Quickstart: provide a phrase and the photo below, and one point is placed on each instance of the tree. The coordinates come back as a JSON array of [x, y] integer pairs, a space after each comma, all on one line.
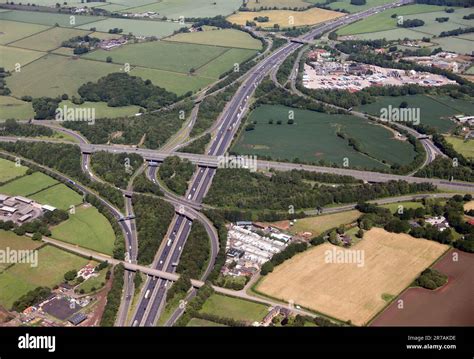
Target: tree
[[267, 267], [70, 275], [403, 104], [108, 59], [360, 233], [37, 236]]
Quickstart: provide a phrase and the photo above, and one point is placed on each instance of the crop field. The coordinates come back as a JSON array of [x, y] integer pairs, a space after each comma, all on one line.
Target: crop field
[[136, 27], [469, 205], [234, 308], [102, 110], [176, 82], [11, 31], [162, 55], [9, 170], [21, 278], [384, 21], [348, 291], [47, 18], [53, 75], [225, 37], [318, 224], [466, 148], [10, 240], [49, 40], [450, 305], [433, 27], [13, 55], [393, 34], [313, 137], [27, 185], [257, 4], [87, 228], [225, 62], [173, 9], [457, 44], [285, 18], [59, 196], [433, 111]]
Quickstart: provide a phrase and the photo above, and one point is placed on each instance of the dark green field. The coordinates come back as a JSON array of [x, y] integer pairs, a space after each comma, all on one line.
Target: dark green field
[[434, 111], [313, 137]]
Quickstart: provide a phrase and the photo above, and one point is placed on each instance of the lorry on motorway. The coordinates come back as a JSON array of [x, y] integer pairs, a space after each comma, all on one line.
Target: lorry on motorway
[[147, 294]]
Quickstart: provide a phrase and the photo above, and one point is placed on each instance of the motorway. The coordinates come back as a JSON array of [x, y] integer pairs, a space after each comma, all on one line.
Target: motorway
[[168, 255]]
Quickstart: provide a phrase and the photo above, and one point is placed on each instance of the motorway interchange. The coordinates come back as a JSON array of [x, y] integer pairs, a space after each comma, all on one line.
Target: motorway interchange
[[153, 294]]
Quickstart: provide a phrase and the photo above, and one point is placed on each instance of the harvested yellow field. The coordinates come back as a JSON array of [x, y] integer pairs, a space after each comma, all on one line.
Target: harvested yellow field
[[319, 224], [469, 205], [345, 287], [285, 18]]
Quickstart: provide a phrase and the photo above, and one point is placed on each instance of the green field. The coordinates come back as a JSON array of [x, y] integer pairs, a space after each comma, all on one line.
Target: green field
[[12, 241], [346, 5], [54, 75], [59, 196], [318, 224], [162, 55], [434, 112], [94, 282], [225, 62], [50, 39], [466, 148], [394, 34], [12, 56], [172, 81], [11, 107], [393, 207], [136, 27], [11, 30], [455, 43], [384, 21], [27, 185], [196, 322], [104, 111], [87, 228], [234, 308], [257, 4], [313, 137], [226, 38], [173, 9], [47, 18], [21, 278], [54, 2], [9, 170]]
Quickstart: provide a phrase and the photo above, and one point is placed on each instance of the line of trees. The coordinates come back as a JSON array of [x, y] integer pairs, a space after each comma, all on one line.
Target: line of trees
[[153, 216], [33, 296], [176, 173], [120, 89], [152, 130], [115, 168], [242, 189], [195, 304], [13, 128], [114, 298], [196, 252]]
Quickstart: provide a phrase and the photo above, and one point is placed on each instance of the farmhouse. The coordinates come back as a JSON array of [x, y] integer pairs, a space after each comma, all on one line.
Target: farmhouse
[[439, 222]]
